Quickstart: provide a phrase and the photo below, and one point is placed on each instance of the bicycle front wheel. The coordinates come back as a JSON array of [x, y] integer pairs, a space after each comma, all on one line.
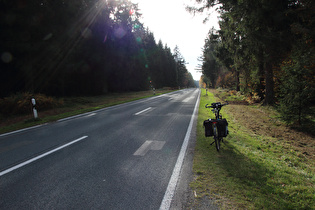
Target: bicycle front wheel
[[216, 138]]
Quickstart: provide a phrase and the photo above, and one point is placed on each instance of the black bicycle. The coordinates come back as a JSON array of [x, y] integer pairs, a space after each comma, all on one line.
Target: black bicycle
[[218, 127]]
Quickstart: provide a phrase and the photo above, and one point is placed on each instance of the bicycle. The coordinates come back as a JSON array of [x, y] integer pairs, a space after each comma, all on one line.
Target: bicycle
[[218, 127]]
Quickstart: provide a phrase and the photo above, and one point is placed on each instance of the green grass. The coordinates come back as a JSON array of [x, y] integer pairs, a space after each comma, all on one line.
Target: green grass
[[250, 171]]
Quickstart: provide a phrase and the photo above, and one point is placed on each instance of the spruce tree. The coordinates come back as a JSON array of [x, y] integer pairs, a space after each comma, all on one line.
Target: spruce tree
[[297, 89]]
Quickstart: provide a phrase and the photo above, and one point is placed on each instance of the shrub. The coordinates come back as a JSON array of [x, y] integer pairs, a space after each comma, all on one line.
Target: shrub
[[21, 103], [226, 80]]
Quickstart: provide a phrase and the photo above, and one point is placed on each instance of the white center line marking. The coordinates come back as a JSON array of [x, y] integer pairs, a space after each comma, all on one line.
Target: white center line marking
[[143, 111], [40, 156]]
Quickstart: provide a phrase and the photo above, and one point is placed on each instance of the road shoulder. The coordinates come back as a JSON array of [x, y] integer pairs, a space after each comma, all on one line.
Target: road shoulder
[[184, 197]]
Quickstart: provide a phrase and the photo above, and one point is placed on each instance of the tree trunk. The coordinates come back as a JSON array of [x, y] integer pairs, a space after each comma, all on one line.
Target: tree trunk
[[269, 99], [237, 81], [261, 86]]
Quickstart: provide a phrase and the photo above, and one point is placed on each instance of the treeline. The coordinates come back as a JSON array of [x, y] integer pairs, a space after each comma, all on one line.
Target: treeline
[[82, 47], [266, 49]]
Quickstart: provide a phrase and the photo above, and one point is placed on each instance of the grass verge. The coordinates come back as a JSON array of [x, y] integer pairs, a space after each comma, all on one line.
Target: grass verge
[[250, 171], [73, 106]]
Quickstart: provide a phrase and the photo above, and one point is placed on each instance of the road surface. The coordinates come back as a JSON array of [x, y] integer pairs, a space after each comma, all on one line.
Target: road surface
[[122, 157]]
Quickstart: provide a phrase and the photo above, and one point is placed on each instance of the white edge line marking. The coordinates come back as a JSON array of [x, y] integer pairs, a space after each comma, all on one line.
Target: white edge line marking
[[40, 156], [169, 193], [24, 129], [143, 111]]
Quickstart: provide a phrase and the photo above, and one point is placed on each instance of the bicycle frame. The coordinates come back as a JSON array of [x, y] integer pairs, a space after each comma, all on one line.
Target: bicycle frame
[[216, 110]]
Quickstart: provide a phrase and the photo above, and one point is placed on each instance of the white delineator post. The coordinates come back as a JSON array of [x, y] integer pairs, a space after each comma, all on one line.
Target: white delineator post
[[34, 108]]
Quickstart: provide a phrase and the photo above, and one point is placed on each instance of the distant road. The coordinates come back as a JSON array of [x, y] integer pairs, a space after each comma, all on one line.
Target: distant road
[[120, 157]]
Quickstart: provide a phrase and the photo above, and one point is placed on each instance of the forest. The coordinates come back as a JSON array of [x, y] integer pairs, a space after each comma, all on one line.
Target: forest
[[82, 47], [266, 50]]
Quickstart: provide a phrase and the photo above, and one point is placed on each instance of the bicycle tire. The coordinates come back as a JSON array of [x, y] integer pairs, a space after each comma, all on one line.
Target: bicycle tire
[[216, 138]]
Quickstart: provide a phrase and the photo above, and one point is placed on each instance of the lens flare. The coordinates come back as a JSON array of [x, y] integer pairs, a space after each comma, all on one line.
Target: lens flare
[[105, 38], [6, 57], [139, 40], [86, 33], [120, 32]]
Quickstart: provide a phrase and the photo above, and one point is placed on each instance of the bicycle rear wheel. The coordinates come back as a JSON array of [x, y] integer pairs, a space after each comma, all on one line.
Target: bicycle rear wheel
[[216, 138]]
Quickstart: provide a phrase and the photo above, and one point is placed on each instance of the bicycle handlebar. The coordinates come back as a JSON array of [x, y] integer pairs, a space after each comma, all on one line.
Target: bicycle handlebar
[[216, 105]]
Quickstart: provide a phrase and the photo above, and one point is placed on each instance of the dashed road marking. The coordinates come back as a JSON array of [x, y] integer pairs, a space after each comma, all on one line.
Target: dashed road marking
[[147, 109]]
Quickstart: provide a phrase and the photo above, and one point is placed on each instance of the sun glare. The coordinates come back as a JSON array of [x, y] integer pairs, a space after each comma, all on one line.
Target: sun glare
[[173, 25]]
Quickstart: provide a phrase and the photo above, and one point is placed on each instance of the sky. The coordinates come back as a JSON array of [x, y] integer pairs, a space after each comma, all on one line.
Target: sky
[[170, 22]]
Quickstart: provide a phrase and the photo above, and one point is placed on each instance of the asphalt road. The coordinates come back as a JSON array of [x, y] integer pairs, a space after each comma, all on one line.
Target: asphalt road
[[121, 157]]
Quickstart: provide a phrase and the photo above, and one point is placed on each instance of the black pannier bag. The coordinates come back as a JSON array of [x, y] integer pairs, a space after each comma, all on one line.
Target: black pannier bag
[[208, 127], [222, 126]]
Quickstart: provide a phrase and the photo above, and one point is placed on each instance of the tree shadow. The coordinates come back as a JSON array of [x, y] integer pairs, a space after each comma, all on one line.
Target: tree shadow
[[253, 176], [307, 127]]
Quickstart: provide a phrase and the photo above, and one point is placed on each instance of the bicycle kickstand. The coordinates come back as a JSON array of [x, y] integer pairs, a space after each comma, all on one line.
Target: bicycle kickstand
[[212, 142]]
